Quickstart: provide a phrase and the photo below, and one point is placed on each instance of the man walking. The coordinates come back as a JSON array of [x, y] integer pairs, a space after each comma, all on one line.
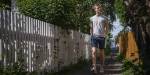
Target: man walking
[[99, 29]]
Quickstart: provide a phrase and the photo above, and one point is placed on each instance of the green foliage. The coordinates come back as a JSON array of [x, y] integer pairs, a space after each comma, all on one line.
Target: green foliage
[[107, 50], [16, 68], [120, 57], [107, 44], [128, 72], [120, 10], [58, 12], [69, 14], [5, 4], [131, 68]]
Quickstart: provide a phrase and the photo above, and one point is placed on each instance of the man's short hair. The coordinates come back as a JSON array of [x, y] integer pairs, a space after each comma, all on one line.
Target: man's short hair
[[97, 4]]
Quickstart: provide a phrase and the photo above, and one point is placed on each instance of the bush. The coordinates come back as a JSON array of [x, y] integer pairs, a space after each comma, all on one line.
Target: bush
[[72, 14], [120, 57], [14, 69], [131, 68]]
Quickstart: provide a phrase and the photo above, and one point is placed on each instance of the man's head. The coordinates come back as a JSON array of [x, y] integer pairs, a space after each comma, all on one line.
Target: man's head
[[97, 8]]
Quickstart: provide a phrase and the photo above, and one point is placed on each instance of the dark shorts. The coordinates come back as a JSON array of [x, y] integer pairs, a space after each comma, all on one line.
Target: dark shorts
[[98, 42]]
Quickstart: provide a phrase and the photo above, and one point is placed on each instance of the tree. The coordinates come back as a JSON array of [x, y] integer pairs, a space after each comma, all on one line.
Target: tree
[[5, 4], [137, 16], [139, 19], [69, 14]]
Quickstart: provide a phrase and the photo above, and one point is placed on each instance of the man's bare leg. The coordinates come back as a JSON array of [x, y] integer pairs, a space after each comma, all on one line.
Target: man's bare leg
[[94, 59], [102, 60]]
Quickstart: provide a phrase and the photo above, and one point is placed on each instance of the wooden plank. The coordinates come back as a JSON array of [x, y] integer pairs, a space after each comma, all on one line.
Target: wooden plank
[[1, 39], [28, 49], [34, 48], [25, 42], [0, 50], [52, 47], [21, 38], [29, 46], [1, 23], [1, 57], [46, 46], [38, 29], [9, 41], [4, 39], [49, 49], [19, 54], [15, 35]]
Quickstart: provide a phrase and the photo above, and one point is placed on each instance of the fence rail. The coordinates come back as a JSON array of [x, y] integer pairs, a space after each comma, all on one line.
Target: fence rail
[[41, 45]]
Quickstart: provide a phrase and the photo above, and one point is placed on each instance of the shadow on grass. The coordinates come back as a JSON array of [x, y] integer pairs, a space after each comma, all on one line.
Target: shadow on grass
[[71, 69]]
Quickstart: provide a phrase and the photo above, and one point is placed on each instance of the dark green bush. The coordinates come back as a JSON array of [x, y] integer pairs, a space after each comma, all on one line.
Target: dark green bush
[[120, 57], [135, 69]]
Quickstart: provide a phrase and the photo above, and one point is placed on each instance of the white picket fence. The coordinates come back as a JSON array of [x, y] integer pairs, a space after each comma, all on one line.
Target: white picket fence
[[41, 45]]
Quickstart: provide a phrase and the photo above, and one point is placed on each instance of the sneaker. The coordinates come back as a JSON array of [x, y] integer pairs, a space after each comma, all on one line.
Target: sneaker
[[94, 69], [101, 69]]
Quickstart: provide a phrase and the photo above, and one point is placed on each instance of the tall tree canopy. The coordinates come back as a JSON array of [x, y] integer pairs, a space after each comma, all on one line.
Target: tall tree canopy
[[72, 14]]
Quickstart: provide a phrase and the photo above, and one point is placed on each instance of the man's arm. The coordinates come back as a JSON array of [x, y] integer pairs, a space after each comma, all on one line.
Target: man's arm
[[106, 27], [91, 28]]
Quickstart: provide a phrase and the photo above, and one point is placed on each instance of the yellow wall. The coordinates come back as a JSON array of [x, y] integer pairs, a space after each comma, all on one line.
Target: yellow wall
[[132, 50], [128, 46]]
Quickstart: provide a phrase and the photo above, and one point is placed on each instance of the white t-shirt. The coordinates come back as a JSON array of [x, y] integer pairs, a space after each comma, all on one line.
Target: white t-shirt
[[97, 23]]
